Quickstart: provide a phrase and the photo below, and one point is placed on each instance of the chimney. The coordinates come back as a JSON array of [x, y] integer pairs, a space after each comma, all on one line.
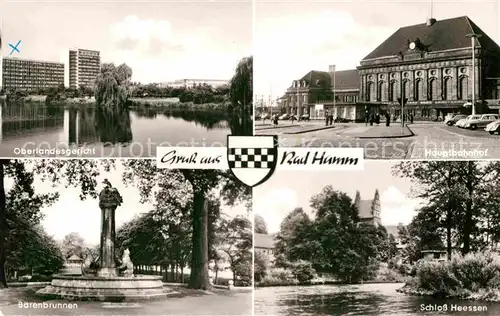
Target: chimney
[[431, 21]]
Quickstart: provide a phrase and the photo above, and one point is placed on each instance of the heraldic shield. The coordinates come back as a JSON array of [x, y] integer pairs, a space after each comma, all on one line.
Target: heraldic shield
[[252, 159]]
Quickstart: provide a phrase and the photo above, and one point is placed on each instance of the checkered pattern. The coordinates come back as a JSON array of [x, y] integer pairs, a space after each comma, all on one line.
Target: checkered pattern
[[252, 157]]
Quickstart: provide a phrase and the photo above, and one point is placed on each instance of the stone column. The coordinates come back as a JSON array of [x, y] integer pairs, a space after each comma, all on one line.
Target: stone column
[[109, 200]]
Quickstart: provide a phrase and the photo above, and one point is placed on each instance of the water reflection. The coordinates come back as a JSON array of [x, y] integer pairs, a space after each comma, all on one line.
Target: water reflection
[[21, 124], [98, 125], [23, 119], [365, 299]]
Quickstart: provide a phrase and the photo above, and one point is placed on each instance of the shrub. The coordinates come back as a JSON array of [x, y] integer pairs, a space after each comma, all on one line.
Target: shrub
[[303, 271], [437, 277], [475, 271], [260, 266]]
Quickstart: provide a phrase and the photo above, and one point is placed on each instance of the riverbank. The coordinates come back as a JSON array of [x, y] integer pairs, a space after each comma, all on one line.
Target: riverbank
[[475, 276], [487, 295], [167, 103]]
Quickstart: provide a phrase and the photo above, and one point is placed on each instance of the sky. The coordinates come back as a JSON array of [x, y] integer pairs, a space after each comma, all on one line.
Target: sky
[[160, 40], [295, 37], [286, 190], [70, 214]]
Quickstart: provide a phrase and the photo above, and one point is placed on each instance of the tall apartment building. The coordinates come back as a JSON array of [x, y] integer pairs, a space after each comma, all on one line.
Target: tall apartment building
[[84, 66], [30, 75]]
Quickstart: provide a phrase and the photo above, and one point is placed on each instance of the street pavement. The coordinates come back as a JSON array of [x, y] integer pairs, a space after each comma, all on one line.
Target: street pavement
[[430, 141]]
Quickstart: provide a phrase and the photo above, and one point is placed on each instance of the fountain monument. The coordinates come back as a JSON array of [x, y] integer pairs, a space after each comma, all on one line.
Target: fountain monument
[[104, 279]]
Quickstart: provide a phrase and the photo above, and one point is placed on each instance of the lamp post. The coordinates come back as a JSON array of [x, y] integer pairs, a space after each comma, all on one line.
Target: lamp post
[[473, 37]]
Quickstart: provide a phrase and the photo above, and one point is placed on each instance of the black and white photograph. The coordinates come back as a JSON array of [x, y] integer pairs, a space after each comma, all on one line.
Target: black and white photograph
[[119, 78], [108, 237], [417, 238], [402, 79]]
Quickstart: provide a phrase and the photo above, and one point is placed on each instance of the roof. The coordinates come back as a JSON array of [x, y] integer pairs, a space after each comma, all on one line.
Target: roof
[[317, 79], [365, 209], [264, 241], [74, 258], [442, 35], [347, 79], [344, 79]]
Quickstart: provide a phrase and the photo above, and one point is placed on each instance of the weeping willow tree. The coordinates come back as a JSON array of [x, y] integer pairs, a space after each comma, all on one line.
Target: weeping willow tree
[[112, 86], [241, 96]]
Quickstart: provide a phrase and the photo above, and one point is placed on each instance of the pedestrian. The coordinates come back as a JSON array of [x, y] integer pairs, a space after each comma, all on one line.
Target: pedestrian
[[387, 119], [292, 118], [377, 119], [372, 118], [327, 118], [411, 118], [276, 120]]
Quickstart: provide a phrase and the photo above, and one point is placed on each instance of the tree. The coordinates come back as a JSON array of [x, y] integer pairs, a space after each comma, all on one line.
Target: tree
[[112, 86], [336, 241], [260, 266], [235, 240], [260, 226], [189, 186], [73, 244], [457, 192], [296, 218], [241, 94], [71, 172]]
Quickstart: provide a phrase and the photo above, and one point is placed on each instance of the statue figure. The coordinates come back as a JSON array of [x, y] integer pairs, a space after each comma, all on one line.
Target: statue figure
[[109, 200], [127, 267], [90, 265]]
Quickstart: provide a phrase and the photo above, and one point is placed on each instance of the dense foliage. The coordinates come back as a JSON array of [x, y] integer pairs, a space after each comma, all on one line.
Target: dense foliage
[[336, 242]]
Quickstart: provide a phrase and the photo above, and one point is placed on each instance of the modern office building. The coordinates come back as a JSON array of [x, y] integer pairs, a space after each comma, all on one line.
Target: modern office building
[[84, 66], [31, 75]]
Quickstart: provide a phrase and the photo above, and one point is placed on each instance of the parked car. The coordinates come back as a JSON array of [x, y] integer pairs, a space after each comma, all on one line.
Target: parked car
[[484, 120], [285, 117], [493, 127], [452, 120], [461, 123], [305, 117]]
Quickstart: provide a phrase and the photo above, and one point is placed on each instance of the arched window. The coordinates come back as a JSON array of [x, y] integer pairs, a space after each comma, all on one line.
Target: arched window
[[392, 91], [463, 84], [406, 89], [447, 90], [419, 90], [379, 91], [370, 91], [432, 94]]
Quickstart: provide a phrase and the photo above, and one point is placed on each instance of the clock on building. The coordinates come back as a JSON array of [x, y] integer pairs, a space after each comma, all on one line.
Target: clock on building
[[413, 45]]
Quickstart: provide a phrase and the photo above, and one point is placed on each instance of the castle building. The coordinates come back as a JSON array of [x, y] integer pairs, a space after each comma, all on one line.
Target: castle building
[[370, 212]]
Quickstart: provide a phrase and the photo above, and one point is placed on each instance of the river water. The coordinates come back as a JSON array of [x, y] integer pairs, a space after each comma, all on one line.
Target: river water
[[129, 133], [364, 299]]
